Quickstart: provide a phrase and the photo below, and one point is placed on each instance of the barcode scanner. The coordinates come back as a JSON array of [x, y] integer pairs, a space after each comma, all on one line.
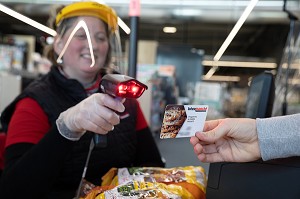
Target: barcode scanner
[[119, 86]]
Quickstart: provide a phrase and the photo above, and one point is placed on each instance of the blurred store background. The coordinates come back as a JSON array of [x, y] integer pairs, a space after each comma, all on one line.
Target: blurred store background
[[175, 65]]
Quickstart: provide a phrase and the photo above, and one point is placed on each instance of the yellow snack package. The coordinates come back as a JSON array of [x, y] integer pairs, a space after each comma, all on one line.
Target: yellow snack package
[[139, 190], [191, 178]]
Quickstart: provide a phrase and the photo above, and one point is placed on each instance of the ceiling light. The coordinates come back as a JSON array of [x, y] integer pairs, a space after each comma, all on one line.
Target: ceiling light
[[27, 20], [217, 3], [45, 28], [231, 35], [187, 12], [235, 29], [292, 66], [169, 29], [49, 40], [211, 71], [242, 64], [123, 26], [223, 78]]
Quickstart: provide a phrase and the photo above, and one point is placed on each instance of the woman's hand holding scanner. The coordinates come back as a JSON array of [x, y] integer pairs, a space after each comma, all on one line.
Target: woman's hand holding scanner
[[96, 113], [227, 140], [120, 87]]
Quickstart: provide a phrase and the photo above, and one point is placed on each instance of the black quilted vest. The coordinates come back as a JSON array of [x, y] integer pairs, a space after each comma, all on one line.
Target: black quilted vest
[[55, 93]]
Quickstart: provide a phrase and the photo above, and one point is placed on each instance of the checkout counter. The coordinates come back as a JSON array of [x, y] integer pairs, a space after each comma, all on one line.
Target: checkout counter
[[275, 179]]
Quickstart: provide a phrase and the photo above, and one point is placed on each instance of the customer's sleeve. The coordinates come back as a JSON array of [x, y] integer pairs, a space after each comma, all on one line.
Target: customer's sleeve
[[279, 137]]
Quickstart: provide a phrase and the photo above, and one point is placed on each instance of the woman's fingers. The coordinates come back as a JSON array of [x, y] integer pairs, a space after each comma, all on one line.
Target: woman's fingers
[[99, 124], [96, 113], [109, 102], [104, 113]]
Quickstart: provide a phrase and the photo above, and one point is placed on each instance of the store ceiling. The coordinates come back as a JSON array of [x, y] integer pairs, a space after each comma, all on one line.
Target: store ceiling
[[202, 24]]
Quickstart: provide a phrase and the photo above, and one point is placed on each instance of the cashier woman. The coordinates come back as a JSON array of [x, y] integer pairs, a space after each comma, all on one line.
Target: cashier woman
[[51, 123]]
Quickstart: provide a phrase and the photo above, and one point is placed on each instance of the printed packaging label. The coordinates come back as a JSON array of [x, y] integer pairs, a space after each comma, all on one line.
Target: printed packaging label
[[183, 120]]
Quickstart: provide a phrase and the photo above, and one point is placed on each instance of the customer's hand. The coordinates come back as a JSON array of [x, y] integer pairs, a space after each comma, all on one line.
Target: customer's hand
[[229, 140], [97, 114]]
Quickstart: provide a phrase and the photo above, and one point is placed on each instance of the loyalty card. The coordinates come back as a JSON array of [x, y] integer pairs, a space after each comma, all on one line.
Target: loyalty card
[[183, 120]]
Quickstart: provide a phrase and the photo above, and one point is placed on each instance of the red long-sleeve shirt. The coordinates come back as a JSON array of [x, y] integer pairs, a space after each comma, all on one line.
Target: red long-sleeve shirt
[[30, 123]]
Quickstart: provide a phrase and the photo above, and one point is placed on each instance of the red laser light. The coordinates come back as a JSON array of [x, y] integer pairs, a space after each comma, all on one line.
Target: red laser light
[[122, 86]]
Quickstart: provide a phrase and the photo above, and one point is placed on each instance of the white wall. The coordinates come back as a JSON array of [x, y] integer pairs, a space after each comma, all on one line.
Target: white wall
[[10, 87]]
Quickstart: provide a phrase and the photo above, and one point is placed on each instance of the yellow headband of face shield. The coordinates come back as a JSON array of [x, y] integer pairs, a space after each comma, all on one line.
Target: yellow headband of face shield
[[94, 9]]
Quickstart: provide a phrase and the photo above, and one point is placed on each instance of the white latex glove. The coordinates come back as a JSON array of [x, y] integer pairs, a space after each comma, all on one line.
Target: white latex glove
[[95, 113]]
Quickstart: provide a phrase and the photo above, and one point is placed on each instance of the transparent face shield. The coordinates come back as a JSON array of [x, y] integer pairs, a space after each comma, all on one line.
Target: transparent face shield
[[115, 60], [117, 85], [106, 15]]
